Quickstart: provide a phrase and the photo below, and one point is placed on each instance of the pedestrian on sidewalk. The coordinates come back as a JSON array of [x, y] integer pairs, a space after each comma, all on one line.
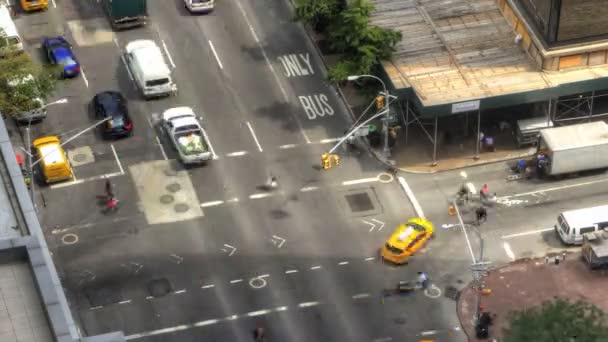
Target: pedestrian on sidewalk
[[541, 162], [521, 167], [481, 213], [423, 280], [489, 143], [484, 192]]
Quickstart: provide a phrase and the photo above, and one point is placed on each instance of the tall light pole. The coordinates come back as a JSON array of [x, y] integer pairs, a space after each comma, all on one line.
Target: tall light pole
[[386, 150], [29, 145]]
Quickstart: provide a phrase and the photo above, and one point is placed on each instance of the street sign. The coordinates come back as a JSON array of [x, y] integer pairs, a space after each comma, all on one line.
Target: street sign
[[362, 132], [465, 106]]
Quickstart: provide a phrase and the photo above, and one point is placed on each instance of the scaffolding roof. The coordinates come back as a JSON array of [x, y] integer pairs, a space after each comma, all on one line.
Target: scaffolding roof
[[461, 50]]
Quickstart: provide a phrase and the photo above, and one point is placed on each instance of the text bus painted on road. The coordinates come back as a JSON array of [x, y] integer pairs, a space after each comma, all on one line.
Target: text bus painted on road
[[316, 106]]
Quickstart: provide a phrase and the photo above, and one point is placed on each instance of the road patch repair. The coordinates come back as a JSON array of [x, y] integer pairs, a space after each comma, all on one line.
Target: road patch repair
[[527, 283], [166, 194]]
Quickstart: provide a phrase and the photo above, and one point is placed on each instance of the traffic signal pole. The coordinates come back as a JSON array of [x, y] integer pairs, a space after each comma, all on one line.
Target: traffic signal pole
[[352, 131]]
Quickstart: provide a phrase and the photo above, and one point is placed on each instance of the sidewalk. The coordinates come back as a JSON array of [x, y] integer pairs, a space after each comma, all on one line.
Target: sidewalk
[[528, 283]]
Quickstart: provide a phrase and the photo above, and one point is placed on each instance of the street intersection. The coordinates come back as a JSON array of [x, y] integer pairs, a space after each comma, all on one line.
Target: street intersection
[[207, 253]]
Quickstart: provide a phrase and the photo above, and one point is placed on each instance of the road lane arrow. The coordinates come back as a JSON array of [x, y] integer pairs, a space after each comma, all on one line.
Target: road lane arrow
[[370, 224], [379, 222], [277, 241], [229, 249]]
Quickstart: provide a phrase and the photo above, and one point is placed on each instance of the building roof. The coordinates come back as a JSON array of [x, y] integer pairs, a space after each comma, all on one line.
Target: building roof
[[575, 136], [461, 50]]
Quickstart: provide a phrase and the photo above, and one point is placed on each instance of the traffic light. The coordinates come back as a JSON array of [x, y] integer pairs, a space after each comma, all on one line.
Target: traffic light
[[379, 101], [336, 159], [325, 162]]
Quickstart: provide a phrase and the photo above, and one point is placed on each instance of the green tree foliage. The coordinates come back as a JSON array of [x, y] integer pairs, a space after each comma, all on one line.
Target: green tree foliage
[[350, 33], [22, 81], [558, 321], [318, 13]]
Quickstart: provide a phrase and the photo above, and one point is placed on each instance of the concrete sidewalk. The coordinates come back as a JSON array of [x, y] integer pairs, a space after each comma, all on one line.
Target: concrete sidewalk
[[528, 283]]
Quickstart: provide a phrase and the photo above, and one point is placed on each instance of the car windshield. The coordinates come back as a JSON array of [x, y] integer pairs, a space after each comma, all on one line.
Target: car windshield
[[66, 61], [393, 249], [117, 121], [416, 227], [158, 82]]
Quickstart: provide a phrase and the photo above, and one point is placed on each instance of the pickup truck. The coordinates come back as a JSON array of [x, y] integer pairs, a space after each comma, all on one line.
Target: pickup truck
[[595, 248], [186, 135]]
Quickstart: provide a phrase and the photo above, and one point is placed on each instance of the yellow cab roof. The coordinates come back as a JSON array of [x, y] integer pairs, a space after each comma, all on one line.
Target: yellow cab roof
[[50, 149], [405, 233]]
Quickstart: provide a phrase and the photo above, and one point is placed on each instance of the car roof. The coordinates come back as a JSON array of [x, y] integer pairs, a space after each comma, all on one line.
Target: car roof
[[405, 233], [56, 40], [147, 53], [109, 101], [183, 112]]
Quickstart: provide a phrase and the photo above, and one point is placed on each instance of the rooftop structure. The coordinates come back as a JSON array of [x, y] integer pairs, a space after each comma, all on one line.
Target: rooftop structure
[[33, 306], [480, 54]]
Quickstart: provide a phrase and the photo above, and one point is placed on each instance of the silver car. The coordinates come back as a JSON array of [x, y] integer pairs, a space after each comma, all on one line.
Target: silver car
[[199, 6]]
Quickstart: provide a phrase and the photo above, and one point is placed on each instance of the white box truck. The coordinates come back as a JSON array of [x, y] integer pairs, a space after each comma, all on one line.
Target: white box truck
[[574, 148]]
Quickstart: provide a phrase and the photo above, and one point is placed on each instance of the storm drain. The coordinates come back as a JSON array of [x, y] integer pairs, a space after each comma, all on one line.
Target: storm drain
[[358, 202], [159, 287]]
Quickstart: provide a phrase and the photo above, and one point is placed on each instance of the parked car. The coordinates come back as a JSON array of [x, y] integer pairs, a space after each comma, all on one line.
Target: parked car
[[54, 164], [59, 51], [112, 104], [199, 6], [34, 5]]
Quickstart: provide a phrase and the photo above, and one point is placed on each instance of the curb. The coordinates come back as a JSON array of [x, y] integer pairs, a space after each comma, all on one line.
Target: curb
[[411, 197], [485, 162]]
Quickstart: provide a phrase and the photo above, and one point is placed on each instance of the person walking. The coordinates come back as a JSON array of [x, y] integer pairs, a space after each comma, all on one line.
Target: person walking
[[484, 192], [481, 213], [423, 280], [109, 189]]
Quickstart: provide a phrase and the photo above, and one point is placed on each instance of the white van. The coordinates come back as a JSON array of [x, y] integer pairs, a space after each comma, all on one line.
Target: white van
[[571, 225], [10, 41], [38, 111], [149, 69]]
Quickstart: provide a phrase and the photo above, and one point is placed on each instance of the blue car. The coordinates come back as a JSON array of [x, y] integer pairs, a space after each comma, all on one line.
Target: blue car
[[59, 51]]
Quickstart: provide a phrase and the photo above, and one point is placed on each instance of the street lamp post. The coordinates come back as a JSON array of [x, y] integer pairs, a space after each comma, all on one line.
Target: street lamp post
[[29, 146], [386, 150]]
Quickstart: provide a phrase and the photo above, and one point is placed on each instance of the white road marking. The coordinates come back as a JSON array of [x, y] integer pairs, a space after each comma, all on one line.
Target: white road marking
[[254, 136], [410, 195], [125, 301], [217, 58], [331, 140], [84, 77], [180, 291], [342, 263], [54, 4], [526, 233], [286, 146], [233, 249], [308, 304], [263, 276], [315, 267], [236, 281], [556, 188], [162, 42], [277, 241], [361, 295], [428, 333], [207, 322], [370, 258], [261, 195], [360, 181], [80, 181], [122, 171], [258, 313], [232, 200], [236, 154], [96, 307], [162, 149], [207, 286], [281, 308], [210, 145], [508, 250], [150, 297], [309, 188], [211, 204], [116, 43], [291, 271], [150, 122], [122, 57]]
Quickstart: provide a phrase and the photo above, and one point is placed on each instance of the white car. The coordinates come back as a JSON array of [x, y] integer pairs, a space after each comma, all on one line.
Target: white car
[[199, 6], [187, 135]]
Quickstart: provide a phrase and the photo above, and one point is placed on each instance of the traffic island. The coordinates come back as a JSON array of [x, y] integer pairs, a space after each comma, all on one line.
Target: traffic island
[[528, 283]]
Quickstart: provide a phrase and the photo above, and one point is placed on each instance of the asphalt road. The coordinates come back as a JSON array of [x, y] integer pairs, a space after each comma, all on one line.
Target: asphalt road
[[208, 252]]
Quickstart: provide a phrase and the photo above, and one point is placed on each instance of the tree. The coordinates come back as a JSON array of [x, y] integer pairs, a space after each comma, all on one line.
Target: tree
[[557, 321], [318, 13], [22, 81]]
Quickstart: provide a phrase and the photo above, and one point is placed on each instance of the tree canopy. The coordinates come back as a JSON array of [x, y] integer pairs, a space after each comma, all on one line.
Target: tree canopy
[[22, 81], [349, 33], [558, 321]]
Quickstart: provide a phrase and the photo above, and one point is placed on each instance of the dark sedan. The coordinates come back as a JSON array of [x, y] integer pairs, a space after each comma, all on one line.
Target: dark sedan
[[112, 105], [59, 51]]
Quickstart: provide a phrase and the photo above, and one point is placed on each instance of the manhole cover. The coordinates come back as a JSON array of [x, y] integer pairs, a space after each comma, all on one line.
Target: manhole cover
[[452, 292], [80, 157], [159, 287], [359, 202], [181, 207], [166, 199], [174, 187]]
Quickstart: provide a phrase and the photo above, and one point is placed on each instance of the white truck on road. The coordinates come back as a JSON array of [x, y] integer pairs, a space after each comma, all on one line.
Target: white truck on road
[[187, 135], [574, 148]]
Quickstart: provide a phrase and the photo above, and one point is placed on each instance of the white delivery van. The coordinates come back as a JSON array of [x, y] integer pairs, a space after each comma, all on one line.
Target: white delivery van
[[10, 41], [149, 69], [38, 111], [572, 225]]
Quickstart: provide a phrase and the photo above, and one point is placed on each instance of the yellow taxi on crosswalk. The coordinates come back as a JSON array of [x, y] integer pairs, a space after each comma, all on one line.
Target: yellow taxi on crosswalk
[[406, 240]]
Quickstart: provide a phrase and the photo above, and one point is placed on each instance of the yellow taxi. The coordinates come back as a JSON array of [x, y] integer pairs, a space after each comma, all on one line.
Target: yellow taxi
[[53, 162], [34, 5], [406, 240]]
